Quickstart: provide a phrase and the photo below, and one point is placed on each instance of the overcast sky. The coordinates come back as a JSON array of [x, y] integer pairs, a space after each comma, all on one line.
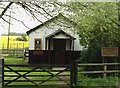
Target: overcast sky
[[16, 26]]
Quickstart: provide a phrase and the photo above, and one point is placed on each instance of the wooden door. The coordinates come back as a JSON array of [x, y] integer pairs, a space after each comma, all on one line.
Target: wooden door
[[59, 48]]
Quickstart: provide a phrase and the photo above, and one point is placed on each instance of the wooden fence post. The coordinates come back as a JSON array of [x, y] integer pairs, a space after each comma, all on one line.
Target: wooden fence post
[[74, 73], [75, 65], [105, 69], [2, 71], [71, 75]]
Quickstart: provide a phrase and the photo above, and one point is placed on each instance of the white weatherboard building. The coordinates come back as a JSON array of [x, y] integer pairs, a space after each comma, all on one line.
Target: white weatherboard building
[[58, 33]]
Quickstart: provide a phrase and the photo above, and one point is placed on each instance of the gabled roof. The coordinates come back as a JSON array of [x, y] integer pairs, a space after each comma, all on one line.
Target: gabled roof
[[59, 31], [50, 20]]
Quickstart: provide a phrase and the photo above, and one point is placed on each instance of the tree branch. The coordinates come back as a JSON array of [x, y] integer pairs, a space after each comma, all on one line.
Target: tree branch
[[19, 21], [6, 20], [42, 9], [7, 7]]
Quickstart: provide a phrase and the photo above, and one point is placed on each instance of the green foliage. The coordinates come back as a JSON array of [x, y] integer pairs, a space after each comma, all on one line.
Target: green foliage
[[24, 37], [98, 27]]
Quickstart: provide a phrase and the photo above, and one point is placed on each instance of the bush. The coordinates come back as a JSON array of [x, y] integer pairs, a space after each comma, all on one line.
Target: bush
[[22, 38], [19, 39]]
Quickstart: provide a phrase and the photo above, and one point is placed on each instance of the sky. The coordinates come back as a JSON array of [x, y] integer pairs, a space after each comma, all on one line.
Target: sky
[[17, 26]]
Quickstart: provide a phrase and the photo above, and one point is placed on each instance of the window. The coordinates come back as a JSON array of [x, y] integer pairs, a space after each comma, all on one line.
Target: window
[[38, 44]]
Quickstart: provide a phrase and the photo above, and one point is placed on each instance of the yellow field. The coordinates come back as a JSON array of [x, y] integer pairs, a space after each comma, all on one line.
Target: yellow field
[[13, 43]]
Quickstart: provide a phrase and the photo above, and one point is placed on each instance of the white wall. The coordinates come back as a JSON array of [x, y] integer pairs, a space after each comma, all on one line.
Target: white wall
[[44, 31]]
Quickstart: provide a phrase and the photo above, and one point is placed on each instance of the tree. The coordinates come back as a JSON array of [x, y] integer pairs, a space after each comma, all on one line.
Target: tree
[[98, 27]]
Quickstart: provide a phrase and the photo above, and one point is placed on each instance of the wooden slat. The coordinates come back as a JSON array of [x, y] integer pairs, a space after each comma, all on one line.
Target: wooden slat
[[22, 71], [32, 75], [34, 65], [18, 65], [91, 72], [113, 71], [33, 71], [32, 80], [98, 64]]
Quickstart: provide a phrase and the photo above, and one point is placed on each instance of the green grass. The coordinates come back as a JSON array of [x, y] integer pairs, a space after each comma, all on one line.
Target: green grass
[[86, 82], [48, 86], [108, 81], [12, 59]]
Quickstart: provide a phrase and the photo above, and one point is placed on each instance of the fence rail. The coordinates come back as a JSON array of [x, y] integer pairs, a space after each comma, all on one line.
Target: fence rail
[[97, 64], [18, 52], [104, 65], [14, 46], [76, 70], [104, 70]]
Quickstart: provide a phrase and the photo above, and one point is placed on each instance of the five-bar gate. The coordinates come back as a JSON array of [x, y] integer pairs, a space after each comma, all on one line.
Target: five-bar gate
[[38, 74]]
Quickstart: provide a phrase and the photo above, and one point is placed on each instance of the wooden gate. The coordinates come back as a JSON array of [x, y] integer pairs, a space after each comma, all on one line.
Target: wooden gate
[[37, 74]]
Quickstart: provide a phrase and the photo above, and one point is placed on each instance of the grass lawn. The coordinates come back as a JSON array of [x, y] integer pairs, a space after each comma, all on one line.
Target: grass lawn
[[108, 81], [11, 59], [86, 82]]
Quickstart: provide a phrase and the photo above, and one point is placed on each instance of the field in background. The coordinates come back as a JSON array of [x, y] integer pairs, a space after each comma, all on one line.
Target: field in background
[[13, 43]]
